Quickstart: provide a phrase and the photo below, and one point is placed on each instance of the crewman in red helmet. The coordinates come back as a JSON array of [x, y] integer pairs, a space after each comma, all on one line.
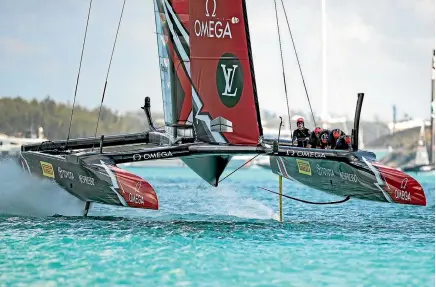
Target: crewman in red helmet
[[324, 139], [344, 142], [334, 136], [301, 134], [314, 141]]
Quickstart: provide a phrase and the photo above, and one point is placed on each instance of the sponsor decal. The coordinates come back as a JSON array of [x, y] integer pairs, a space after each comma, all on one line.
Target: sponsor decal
[[404, 183], [154, 155], [162, 18], [86, 180], [229, 79], [213, 26], [163, 68], [300, 153], [47, 169], [402, 194], [136, 198], [348, 176], [322, 171], [304, 167], [65, 173]]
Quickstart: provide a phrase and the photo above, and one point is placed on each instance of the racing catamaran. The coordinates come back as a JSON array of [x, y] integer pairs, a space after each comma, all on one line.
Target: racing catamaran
[[211, 114]]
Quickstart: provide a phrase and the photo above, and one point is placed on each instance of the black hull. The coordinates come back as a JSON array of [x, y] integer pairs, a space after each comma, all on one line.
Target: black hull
[[357, 175], [92, 179], [93, 176]]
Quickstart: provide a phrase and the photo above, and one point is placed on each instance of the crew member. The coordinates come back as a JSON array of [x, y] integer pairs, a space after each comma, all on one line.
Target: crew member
[[324, 139], [314, 138], [344, 142], [334, 136], [301, 134]]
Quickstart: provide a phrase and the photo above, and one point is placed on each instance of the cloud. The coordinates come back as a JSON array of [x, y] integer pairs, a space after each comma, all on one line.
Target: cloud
[[16, 47], [424, 9], [358, 30]]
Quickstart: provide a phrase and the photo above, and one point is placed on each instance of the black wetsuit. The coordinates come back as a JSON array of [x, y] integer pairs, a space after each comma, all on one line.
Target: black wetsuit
[[332, 140], [301, 135], [324, 134], [342, 144], [314, 141]]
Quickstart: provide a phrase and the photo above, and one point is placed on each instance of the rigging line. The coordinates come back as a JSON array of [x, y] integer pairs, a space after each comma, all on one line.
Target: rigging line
[[306, 201], [108, 69], [78, 74], [239, 167], [283, 65], [298, 62]]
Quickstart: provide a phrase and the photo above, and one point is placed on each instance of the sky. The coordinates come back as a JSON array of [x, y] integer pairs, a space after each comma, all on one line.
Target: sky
[[382, 48]]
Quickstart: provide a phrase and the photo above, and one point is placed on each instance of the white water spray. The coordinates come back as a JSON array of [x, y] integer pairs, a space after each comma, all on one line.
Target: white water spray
[[25, 195], [227, 201], [248, 208]]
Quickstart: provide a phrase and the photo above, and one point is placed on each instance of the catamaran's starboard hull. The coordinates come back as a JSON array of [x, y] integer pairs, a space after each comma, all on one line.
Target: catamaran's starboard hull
[[364, 178], [92, 179]]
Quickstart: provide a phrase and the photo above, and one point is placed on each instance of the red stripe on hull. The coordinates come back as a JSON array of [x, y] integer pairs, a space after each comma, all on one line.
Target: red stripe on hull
[[135, 190], [402, 187]]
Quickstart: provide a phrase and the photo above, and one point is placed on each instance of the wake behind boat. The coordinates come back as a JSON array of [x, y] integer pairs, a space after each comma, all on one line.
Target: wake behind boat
[[211, 114]]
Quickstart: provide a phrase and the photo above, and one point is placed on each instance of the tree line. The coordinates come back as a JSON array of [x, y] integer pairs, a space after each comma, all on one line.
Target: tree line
[[19, 115]]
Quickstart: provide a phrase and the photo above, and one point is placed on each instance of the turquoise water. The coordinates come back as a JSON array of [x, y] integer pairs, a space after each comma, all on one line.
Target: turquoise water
[[225, 236]]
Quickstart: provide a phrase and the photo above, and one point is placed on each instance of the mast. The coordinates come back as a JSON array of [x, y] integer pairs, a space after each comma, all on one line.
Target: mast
[[172, 25], [432, 114], [324, 114]]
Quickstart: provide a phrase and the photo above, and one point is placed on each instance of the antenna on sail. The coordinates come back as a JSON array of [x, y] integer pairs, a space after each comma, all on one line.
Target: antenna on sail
[[78, 74]]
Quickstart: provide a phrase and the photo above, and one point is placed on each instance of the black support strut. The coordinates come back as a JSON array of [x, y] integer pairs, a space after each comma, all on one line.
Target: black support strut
[[355, 131]]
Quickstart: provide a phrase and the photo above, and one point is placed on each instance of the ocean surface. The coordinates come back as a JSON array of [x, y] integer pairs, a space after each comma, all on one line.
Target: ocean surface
[[205, 236]]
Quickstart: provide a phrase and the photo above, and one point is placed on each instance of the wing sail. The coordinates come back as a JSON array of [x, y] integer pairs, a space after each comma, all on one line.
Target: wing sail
[[172, 21], [224, 92]]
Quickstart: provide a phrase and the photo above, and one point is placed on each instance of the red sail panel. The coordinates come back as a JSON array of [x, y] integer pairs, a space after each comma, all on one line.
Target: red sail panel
[[182, 77], [181, 7], [224, 98]]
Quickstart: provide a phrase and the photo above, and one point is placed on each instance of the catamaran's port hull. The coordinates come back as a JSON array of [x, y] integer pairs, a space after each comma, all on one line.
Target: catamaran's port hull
[[93, 176], [361, 178], [92, 179]]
